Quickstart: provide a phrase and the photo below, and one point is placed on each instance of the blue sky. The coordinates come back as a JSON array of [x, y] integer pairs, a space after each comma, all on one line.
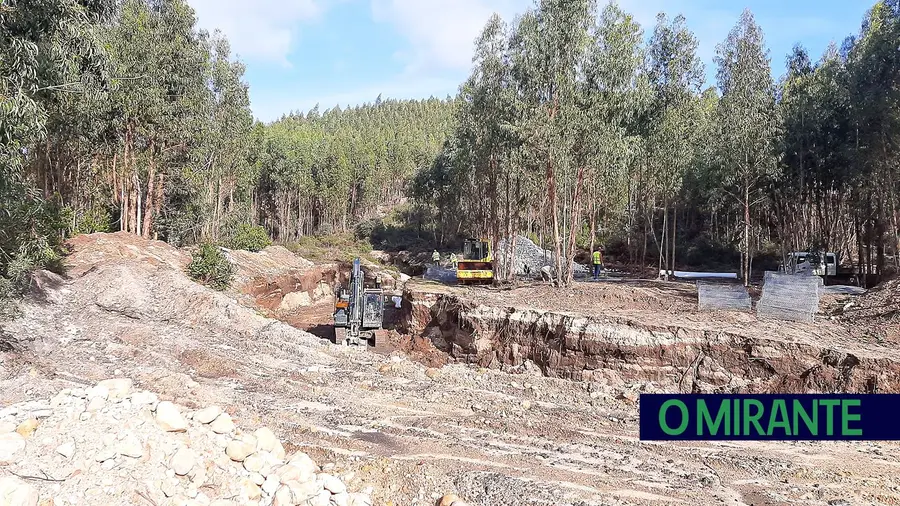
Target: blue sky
[[302, 52]]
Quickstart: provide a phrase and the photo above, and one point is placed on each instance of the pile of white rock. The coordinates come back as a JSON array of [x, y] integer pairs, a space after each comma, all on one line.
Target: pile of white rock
[[531, 258], [110, 444]]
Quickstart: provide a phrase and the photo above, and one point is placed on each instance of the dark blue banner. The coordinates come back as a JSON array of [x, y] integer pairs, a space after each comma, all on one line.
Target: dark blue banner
[[677, 417]]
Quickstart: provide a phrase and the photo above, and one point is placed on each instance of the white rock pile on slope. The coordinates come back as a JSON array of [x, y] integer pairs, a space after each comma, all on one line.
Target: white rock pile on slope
[[530, 254], [112, 445]]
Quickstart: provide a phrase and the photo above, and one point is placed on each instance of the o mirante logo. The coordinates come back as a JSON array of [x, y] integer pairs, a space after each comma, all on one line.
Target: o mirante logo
[[769, 417]]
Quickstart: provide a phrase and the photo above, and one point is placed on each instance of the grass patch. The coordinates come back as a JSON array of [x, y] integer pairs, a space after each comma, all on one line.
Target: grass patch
[[332, 247]]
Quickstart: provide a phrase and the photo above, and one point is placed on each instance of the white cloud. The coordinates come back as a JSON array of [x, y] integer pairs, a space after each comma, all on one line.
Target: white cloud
[[442, 33], [259, 30]]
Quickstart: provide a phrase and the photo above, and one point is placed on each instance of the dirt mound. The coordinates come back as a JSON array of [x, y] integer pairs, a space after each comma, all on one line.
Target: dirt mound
[[266, 277], [148, 315], [873, 315], [270, 264], [89, 251]]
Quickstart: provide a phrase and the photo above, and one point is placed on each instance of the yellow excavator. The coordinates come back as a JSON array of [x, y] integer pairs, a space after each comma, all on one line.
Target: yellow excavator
[[476, 264]]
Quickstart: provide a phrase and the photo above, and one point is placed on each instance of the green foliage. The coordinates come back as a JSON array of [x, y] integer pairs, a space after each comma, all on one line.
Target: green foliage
[[322, 173], [248, 237], [400, 230], [330, 247], [95, 218], [747, 120], [31, 233], [9, 297], [42, 46], [211, 267]]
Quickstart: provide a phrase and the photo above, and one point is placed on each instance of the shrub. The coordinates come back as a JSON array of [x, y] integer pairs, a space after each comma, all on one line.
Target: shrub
[[210, 267], [93, 219], [249, 237]]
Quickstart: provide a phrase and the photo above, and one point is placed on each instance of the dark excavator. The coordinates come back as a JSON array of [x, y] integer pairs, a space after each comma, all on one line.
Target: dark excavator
[[358, 311]]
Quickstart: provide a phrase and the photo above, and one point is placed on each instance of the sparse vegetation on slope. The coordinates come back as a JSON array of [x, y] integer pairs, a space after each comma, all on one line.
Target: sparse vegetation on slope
[[211, 267]]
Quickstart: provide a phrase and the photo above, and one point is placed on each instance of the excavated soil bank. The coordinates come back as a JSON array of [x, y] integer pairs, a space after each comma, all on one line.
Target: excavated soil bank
[[274, 293], [682, 350]]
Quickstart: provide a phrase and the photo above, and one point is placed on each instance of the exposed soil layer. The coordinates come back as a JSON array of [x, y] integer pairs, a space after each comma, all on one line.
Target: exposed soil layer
[[269, 292], [619, 333]]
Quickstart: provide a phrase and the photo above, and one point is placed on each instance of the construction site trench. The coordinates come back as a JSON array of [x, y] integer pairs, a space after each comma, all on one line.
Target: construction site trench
[[678, 353], [677, 348]]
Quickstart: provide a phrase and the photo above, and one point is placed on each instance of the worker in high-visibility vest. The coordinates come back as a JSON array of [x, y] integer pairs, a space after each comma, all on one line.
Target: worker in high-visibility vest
[[597, 260]]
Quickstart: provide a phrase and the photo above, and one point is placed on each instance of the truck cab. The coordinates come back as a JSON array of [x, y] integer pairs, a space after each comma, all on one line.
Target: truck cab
[[804, 262]]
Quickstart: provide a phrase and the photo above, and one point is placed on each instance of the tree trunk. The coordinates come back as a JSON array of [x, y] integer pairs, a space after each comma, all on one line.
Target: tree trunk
[[746, 273], [138, 203], [151, 175], [663, 240], [574, 225], [674, 224], [125, 213], [158, 198], [115, 183]]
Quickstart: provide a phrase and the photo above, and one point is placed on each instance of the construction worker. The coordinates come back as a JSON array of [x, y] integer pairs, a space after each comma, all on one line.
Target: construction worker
[[436, 258], [597, 260], [454, 260]]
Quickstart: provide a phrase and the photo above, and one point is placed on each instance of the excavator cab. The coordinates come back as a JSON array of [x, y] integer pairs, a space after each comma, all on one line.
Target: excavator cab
[[358, 310], [478, 251], [476, 265]]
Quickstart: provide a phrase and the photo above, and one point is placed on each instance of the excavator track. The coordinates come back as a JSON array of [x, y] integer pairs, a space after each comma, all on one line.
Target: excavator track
[[382, 342], [340, 335]]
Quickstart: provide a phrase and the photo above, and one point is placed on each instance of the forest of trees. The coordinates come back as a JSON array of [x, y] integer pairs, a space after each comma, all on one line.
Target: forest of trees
[[324, 173], [124, 116], [575, 127]]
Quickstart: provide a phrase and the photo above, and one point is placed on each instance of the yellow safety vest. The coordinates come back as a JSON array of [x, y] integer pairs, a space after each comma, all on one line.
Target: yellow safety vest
[[597, 258]]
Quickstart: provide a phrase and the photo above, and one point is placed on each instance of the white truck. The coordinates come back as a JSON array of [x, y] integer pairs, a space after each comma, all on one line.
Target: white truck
[[804, 262]]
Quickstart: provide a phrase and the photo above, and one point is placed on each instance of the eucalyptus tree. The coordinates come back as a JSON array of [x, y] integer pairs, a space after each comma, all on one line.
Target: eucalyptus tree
[[747, 122], [874, 83], [220, 173], [551, 44], [676, 74], [487, 116], [614, 97], [161, 94], [48, 50], [811, 193]]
